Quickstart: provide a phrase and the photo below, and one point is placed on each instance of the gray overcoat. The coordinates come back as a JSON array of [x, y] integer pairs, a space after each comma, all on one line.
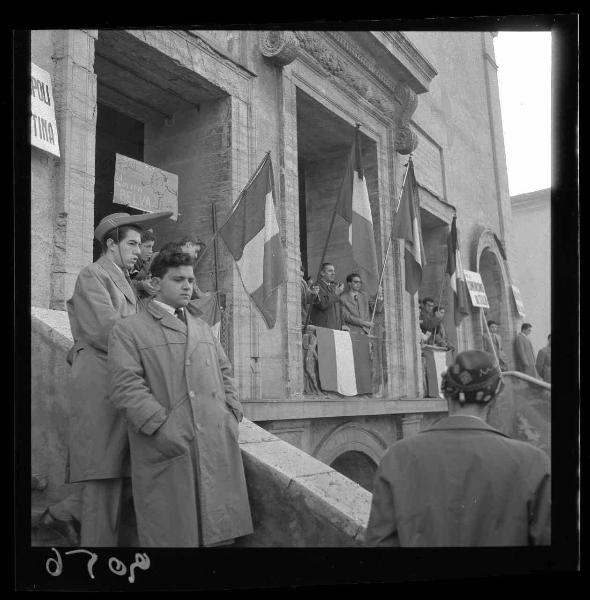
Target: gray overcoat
[[173, 383], [98, 446]]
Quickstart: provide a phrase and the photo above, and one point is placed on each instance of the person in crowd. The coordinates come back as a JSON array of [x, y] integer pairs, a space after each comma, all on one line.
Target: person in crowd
[[140, 273], [543, 364], [326, 305], [98, 453], [462, 482], [356, 307], [172, 382], [426, 319], [438, 335], [495, 344], [308, 293], [524, 355], [193, 246]]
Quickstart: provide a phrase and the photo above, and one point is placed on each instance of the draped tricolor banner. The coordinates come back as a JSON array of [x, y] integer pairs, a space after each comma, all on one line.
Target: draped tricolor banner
[[354, 207], [251, 234], [455, 271], [344, 362], [406, 226]]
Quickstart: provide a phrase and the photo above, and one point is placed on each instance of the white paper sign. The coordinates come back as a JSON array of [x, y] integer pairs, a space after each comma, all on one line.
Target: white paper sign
[[43, 123], [477, 292], [518, 300]]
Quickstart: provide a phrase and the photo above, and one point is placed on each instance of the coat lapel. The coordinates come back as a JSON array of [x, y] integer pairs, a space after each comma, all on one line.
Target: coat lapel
[[195, 333], [118, 278], [166, 319]]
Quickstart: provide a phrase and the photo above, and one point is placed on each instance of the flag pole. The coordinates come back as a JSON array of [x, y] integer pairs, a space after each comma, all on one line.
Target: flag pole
[[310, 303], [487, 329], [389, 242], [214, 236]]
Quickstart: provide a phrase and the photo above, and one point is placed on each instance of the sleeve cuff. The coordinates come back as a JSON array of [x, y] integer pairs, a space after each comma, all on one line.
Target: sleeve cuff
[[154, 422]]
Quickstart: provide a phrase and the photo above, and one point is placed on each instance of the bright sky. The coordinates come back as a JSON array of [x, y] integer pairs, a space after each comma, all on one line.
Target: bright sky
[[524, 77]]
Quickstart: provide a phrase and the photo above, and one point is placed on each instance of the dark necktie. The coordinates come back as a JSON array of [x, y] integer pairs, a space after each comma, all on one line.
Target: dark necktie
[[179, 312]]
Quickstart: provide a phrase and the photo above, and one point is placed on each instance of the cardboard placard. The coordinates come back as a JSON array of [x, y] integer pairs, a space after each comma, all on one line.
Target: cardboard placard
[[43, 123], [145, 187], [518, 301], [477, 291]]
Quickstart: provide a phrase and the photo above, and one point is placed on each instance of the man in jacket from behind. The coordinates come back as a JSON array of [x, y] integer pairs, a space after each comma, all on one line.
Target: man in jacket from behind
[[171, 380], [462, 482]]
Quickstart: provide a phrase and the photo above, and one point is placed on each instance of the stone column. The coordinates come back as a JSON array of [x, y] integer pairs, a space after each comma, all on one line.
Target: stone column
[[411, 424], [75, 104]]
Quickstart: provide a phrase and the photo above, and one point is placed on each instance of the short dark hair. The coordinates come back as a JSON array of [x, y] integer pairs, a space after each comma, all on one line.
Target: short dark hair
[[350, 277], [189, 239], [438, 308], [169, 258], [171, 246], [118, 234], [427, 299], [147, 235], [525, 326], [490, 323], [324, 265]]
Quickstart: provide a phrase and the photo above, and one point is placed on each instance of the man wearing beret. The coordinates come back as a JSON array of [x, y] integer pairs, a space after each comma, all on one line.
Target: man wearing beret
[[462, 482], [98, 453]]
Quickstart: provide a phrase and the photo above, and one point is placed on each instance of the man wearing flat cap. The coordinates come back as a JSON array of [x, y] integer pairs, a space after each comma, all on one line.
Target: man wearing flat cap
[[98, 453], [462, 482]]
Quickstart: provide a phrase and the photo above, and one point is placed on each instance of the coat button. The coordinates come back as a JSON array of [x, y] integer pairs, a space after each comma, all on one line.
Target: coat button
[[207, 362], [191, 394], [187, 363]]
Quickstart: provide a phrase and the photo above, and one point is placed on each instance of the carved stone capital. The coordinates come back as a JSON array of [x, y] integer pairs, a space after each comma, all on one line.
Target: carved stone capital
[[280, 47], [405, 140]]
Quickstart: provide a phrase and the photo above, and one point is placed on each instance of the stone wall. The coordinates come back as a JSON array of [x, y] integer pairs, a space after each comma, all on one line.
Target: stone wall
[[531, 227]]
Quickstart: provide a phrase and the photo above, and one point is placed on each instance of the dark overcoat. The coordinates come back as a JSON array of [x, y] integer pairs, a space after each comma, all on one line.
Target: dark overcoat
[[173, 383], [461, 483], [325, 311], [98, 446]]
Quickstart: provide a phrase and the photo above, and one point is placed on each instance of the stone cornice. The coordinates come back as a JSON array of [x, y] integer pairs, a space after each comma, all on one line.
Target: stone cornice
[[397, 102], [207, 44], [409, 56], [355, 51]]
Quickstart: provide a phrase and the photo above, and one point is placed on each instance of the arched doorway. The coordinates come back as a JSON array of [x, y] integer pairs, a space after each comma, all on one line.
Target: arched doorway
[[494, 276], [356, 466]]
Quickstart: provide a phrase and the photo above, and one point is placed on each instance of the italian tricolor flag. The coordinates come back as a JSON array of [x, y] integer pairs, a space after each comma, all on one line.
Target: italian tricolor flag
[[344, 362], [354, 207], [251, 234]]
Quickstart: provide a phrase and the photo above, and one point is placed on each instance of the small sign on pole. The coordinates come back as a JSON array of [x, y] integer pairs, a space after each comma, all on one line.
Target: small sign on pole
[[477, 292], [518, 300], [144, 186], [43, 123]]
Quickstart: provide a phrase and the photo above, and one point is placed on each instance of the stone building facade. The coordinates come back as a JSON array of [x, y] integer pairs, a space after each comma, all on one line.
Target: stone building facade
[[531, 235], [207, 106]]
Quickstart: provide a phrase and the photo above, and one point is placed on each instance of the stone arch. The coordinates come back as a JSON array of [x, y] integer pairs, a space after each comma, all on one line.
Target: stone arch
[[492, 268], [357, 466], [347, 437]]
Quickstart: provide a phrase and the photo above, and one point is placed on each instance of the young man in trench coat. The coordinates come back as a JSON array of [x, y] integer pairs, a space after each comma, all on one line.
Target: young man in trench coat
[[98, 448], [172, 381], [462, 482]]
